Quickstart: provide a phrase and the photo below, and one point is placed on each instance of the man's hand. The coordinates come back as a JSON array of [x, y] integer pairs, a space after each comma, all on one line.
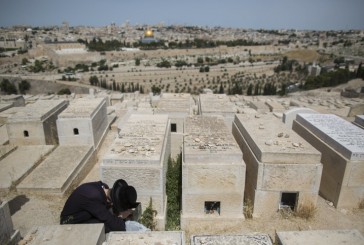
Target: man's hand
[[125, 214]]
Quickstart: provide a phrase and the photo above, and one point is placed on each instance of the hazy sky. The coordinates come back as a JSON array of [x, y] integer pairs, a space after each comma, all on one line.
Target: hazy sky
[[268, 14]]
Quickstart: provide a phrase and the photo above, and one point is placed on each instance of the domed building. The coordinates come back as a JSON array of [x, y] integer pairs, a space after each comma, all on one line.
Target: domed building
[[148, 37]]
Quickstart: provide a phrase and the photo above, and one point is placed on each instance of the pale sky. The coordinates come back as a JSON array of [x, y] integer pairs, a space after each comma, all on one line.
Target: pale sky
[[267, 14]]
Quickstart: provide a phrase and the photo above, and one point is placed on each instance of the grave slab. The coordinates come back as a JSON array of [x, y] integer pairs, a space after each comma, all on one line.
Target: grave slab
[[318, 237], [81, 234], [19, 163], [5, 150], [63, 167], [338, 133], [147, 238], [359, 120], [7, 233], [290, 115], [254, 239], [4, 138]]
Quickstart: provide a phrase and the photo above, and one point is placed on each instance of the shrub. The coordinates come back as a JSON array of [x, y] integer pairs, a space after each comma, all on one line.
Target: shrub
[[148, 215], [306, 211], [248, 209], [361, 204]]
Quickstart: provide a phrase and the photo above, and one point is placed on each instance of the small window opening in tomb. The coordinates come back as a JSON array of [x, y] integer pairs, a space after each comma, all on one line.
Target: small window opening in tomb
[[26, 133], [289, 200], [173, 127], [75, 131], [212, 207]]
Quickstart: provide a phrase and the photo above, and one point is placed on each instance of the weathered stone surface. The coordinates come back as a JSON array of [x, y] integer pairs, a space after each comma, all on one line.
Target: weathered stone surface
[[290, 115], [254, 239], [63, 167], [35, 124], [82, 234], [146, 238], [332, 237], [84, 122], [338, 133], [212, 171], [7, 233], [19, 163], [6, 150], [342, 180], [283, 151], [359, 119], [4, 139], [279, 164], [140, 155]]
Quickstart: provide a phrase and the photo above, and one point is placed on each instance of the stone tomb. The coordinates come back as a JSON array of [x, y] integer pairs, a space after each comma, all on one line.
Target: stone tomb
[[217, 105], [84, 122], [253, 239], [80, 234], [318, 237], [342, 146], [140, 156], [282, 169], [359, 120], [274, 106], [19, 163], [7, 233], [291, 114], [35, 124], [177, 107], [213, 173], [146, 238], [64, 168]]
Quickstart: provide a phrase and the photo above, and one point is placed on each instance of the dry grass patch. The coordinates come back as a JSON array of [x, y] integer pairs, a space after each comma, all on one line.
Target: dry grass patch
[[306, 211], [361, 204], [304, 55]]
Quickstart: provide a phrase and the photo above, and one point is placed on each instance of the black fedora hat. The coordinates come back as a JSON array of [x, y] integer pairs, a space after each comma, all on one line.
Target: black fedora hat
[[123, 196]]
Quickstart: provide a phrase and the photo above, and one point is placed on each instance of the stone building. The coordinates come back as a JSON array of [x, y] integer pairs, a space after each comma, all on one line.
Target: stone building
[[140, 156], [282, 169], [213, 173], [35, 124], [84, 122], [177, 107], [342, 146], [217, 105]]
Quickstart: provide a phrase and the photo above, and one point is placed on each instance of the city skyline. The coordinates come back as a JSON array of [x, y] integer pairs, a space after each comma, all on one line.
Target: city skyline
[[265, 14]]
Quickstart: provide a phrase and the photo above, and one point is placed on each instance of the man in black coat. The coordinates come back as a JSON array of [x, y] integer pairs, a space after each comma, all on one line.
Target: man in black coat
[[92, 203]]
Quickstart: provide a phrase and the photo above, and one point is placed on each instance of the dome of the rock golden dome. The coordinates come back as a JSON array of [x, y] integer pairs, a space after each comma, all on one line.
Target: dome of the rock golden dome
[[148, 33]]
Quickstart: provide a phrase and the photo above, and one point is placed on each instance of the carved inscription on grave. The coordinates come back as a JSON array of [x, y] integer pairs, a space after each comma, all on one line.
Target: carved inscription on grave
[[341, 135]]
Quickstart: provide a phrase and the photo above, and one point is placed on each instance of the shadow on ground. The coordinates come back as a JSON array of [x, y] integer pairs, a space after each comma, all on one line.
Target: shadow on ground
[[16, 203]]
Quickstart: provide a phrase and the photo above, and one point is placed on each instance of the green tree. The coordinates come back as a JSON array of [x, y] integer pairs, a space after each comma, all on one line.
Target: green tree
[[174, 193], [24, 61], [221, 90], [200, 60], [250, 89], [64, 91], [7, 87], [137, 61], [24, 86], [94, 81], [156, 90], [207, 68]]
